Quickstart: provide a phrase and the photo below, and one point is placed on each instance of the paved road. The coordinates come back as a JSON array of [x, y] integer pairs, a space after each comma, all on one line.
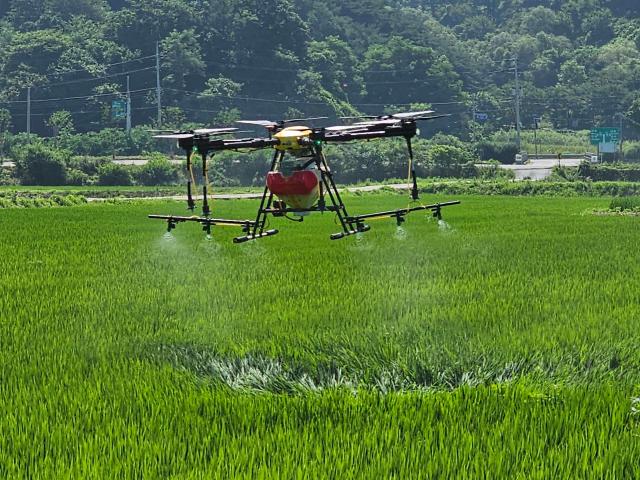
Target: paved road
[[540, 169]]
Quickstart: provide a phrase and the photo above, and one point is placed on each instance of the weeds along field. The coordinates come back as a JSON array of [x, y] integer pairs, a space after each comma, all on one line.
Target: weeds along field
[[500, 344]]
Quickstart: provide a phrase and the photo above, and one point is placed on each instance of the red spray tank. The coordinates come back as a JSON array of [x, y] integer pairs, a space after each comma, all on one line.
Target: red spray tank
[[299, 190]]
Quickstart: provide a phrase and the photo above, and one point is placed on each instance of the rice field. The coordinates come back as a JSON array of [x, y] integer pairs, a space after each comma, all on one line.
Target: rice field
[[502, 343]]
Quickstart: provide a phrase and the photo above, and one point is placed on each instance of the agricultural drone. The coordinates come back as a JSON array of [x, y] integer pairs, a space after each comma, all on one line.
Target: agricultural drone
[[304, 185]]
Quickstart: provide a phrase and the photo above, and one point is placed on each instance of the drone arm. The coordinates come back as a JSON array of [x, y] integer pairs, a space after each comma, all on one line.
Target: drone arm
[[404, 129], [242, 143]]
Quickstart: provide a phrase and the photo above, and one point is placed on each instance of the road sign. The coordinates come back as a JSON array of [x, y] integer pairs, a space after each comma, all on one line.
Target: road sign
[[605, 135], [118, 109]]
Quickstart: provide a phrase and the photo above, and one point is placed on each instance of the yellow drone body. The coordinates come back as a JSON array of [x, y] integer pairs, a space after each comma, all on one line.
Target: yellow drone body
[[293, 138]]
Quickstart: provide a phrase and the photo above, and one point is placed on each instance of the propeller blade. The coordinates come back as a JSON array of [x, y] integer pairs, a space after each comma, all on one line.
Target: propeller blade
[[412, 115], [295, 120], [175, 136], [359, 117], [391, 121], [435, 117], [260, 123], [340, 128], [214, 131]]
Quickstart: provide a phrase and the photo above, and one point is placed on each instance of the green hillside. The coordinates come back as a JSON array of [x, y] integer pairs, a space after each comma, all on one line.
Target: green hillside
[[578, 60]]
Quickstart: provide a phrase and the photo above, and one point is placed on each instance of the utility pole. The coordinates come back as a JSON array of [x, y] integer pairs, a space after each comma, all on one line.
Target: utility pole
[[620, 154], [517, 100], [158, 89], [28, 110], [128, 107]]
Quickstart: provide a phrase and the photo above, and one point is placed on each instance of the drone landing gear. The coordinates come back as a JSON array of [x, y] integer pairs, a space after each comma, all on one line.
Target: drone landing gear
[[206, 222], [401, 213], [246, 238], [361, 228]]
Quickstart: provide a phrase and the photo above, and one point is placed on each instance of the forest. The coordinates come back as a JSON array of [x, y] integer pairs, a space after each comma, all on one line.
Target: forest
[[578, 61]]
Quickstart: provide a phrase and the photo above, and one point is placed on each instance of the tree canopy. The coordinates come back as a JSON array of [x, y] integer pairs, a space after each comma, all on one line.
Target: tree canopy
[[578, 60]]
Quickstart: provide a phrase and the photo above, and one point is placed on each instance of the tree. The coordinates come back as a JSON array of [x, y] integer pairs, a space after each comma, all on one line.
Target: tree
[[157, 171], [182, 59], [114, 175], [61, 122], [37, 164]]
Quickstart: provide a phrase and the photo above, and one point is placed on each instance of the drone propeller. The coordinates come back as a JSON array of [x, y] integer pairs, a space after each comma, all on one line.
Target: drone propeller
[[174, 136], [270, 125], [308, 119], [433, 117], [194, 133], [342, 128], [396, 117], [412, 115], [385, 122]]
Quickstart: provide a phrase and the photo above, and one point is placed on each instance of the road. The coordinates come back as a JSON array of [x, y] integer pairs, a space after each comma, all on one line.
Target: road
[[540, 169]]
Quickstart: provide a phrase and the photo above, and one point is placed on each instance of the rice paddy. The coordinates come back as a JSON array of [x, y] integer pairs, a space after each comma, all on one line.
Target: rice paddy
[[501, 344]]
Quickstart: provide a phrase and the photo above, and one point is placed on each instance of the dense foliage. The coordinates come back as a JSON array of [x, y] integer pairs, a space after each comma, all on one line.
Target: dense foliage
[[579, 60]]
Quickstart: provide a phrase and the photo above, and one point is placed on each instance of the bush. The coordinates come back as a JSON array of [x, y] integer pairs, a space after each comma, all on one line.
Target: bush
[[157, 171], [625, 203], [631, 151], [505, 153], [492, 171], [623, 172], [77, 177], [111, 174], [6, 178], [448, 161], [87, 164], [37, 164]]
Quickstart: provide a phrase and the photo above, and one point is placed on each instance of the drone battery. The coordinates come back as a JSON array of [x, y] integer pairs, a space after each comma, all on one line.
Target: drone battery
[[300, 190]]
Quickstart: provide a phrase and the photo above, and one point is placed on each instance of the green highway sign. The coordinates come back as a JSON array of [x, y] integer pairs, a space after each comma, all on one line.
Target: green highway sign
[[605, 135], [118, 110]]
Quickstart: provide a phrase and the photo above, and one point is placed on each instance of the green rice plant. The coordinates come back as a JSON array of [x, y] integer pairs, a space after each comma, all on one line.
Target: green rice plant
[[501, 342], [625, 203]]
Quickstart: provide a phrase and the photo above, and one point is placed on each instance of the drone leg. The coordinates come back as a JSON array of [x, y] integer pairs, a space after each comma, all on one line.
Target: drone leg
[[412, 170], [206, 211], [348, 228], [190, 203], [265, 204]]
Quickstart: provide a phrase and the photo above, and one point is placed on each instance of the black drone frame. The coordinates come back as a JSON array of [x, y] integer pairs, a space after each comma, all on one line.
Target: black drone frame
[[351, 224]]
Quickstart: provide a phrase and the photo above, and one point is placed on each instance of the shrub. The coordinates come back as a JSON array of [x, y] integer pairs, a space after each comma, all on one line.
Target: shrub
[[625, 203], [503, 152], [448, 161], [37, 164], [157, 171], [610, 172], [77, 177], [87, 164], [112, 174], [631, 151]]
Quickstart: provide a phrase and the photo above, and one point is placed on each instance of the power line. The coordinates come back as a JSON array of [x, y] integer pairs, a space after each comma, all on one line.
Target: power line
[[84, 80], [53, 74], [302, 102], [85, 97]]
